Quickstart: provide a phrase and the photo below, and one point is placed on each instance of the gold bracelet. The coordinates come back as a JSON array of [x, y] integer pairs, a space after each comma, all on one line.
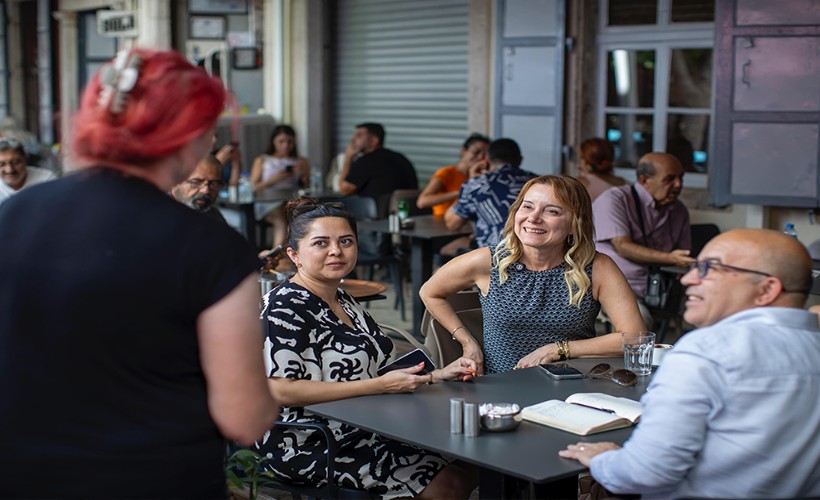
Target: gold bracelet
[[563, 349]]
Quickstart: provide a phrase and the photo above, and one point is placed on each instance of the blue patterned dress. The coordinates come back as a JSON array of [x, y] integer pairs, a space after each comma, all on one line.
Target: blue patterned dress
[[531, 309], [306, 341]]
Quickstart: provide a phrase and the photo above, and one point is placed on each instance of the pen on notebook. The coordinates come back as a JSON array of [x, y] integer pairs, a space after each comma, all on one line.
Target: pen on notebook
[[594, 407]]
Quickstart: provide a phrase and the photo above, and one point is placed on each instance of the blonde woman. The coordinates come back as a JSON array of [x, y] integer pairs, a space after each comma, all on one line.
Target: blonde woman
[[541, 287]]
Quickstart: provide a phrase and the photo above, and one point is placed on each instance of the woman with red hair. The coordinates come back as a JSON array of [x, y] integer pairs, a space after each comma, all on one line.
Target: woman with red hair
[[141, 352], [595, 168]]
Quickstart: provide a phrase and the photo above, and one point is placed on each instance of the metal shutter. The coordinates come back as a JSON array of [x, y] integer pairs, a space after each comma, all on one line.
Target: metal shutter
[[403, 63]]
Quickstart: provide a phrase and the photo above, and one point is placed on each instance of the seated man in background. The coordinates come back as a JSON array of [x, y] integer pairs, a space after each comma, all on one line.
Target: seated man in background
[[200, 189], [372, 170], [487, 198], [734, 411], [658, 235], [14, 172]]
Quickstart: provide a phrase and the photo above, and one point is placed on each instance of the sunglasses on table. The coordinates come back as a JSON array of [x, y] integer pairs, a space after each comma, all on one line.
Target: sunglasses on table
[[620, 376]]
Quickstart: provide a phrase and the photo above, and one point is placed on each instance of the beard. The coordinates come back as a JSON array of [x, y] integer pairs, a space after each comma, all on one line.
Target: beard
[[200, 202]]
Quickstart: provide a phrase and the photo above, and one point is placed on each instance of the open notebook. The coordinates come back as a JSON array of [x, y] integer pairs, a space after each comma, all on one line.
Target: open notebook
[[585, 413]]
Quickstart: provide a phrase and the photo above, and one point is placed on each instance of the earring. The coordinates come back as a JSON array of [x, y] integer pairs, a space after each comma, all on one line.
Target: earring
[[570, 239]]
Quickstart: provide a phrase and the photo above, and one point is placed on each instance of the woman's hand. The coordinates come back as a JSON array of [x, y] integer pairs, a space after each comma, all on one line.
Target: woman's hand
[[473, 351], [460, 369], [404, 380], [545, 354]]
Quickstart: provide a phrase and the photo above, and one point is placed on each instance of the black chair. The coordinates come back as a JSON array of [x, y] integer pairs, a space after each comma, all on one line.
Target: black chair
[[701, 234], [376, 249], [330, 490]]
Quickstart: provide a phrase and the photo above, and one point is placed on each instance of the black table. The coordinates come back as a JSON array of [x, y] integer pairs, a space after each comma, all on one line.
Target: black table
[[428, 230], [529, 453]]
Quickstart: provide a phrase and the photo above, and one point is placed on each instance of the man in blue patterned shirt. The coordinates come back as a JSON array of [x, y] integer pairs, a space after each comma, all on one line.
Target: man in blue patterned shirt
[[486, 199]]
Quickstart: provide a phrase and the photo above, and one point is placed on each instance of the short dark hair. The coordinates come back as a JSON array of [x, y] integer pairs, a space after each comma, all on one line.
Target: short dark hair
[[474, 138], [504, 151], [374, 129], [301, 212]]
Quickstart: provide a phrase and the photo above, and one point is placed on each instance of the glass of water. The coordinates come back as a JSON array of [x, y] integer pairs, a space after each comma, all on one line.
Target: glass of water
[[638, 352]]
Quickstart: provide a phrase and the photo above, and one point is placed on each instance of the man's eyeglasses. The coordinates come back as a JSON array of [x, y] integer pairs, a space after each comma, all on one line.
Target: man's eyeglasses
[[13, 163], [198, 183], [622, 377], [703, 267], [310, 207]]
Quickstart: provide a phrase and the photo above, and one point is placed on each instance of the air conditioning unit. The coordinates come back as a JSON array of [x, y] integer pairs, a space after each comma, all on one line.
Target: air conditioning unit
[[117, 23]]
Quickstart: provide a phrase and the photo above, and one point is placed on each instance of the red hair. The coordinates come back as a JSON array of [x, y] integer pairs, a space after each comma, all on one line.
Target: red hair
[[172, 103], [598, 154]]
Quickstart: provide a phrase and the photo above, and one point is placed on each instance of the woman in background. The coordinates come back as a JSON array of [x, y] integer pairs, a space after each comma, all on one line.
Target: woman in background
[[541, 287], [128, 367], [442, 190], [595, 166], [280, 168], [323, 346]]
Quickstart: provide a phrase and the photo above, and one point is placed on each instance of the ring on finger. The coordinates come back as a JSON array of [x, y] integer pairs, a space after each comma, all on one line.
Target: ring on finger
[[582, 448]]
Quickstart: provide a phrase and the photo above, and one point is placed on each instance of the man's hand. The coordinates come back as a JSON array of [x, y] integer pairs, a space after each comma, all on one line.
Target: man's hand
[[583, 452], [227, 153], [480, 167], [681, 257]]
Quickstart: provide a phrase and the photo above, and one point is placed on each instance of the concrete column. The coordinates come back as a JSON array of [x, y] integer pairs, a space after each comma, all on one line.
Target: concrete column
[[69, 99], [480, 55], [154, 24]]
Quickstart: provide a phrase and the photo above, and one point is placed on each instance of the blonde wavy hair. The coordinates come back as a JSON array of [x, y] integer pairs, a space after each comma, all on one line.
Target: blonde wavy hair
[[579, 249]]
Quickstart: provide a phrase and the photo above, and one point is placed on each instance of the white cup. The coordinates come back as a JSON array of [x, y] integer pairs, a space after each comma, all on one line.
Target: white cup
[[659, 353]]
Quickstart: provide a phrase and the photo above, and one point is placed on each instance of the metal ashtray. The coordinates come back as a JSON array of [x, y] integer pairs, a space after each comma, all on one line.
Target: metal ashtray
[[499, 417]]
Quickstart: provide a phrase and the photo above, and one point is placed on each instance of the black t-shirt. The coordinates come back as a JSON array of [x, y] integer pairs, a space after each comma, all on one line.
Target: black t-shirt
[[378, 173], [102, 278]]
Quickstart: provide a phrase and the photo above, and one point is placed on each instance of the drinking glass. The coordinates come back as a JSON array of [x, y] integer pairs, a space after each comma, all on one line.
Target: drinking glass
[[638, 352]]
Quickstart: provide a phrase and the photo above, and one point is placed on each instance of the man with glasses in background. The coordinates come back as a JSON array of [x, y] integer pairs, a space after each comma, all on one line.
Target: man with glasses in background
[[200, 189], [734, 411], [15, 172]]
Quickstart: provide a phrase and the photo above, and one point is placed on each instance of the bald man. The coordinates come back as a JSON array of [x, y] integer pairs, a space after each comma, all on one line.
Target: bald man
[[665, 239], [734, 411], [200, 189]]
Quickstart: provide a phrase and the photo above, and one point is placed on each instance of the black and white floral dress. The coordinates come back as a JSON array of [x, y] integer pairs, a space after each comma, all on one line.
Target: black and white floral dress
[[306, 341]]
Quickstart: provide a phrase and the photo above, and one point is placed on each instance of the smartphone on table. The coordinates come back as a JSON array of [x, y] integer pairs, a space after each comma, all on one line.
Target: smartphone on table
[[561, 371], [412, 358]]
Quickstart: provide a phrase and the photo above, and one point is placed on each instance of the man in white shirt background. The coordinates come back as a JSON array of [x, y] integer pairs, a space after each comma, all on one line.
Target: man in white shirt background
[[14, 172], [734, 411]]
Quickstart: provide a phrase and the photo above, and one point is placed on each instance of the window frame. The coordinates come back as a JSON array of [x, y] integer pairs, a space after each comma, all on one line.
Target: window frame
[[662, 38]]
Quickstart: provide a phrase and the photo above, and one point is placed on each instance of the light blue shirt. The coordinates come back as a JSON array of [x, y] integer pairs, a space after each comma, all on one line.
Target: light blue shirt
[[733, 412]]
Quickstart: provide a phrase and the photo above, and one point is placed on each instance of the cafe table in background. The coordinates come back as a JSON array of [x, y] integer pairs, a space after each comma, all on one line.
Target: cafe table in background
[[427, 230], [526, 457]]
